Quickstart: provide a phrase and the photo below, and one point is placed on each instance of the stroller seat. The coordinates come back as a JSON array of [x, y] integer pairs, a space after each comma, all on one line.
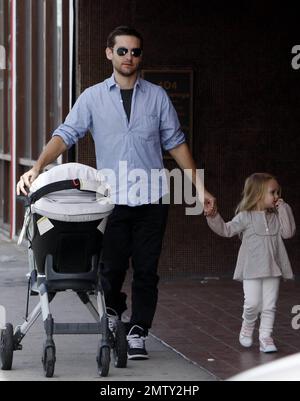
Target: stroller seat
[[65, 219]]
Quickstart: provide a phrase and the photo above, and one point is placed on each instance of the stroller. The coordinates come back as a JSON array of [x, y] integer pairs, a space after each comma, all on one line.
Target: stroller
[[65, 218]]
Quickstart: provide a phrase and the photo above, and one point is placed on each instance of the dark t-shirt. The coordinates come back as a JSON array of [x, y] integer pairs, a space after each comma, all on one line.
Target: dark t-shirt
[[127, 97]]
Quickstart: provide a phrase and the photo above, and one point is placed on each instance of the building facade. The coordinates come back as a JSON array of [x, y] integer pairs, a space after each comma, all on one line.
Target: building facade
[[34, 89]]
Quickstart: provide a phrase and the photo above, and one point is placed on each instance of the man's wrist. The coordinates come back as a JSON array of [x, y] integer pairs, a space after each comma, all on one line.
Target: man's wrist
[[38, 168]]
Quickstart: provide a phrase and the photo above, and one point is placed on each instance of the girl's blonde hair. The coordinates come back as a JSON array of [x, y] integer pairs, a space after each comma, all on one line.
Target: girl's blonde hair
[[254, 190]]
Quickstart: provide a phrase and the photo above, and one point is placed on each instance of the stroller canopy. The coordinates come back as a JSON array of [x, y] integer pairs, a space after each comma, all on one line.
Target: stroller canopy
[[91, 202]]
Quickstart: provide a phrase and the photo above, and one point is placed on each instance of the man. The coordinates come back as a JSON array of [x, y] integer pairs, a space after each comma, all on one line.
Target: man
[[130, 120]]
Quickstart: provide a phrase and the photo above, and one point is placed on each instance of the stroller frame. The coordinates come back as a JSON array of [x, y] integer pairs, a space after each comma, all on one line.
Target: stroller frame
[[87, 286]]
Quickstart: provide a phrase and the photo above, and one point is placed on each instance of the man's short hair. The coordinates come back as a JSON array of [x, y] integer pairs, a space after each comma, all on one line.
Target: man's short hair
[[123, 30]]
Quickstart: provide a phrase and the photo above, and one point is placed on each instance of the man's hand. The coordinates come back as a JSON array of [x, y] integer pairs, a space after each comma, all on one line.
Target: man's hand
[[210, 205], [26, 180], [184, 159], [54, 148]]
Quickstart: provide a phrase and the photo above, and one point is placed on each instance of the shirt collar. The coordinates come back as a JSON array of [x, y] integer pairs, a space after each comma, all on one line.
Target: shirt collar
[[111, 82]]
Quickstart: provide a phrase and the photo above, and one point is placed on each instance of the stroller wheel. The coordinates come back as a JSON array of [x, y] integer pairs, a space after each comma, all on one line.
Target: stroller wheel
[[103, 361], [48, 360], [120, 345], [7, 347]]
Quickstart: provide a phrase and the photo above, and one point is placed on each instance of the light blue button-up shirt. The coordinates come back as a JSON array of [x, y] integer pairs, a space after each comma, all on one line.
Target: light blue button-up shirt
[[127, 149]]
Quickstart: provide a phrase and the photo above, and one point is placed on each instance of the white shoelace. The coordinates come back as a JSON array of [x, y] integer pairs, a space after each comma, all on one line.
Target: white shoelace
[[247, 331], [135, 341], [267, 341]]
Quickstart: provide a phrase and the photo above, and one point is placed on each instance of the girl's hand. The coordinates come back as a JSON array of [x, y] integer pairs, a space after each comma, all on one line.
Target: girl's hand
[[210, 204], [279, 203]]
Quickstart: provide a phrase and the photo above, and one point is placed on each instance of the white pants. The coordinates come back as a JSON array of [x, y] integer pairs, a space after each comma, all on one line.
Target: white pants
[[261, 297]]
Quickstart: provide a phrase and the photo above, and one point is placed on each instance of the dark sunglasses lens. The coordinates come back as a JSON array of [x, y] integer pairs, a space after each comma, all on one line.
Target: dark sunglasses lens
[[136, 52], [121, 51]]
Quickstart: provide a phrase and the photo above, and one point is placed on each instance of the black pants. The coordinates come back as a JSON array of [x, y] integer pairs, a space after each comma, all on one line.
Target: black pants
[[135, 232]]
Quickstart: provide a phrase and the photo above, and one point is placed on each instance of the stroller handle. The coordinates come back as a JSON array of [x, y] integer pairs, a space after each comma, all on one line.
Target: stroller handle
[[66, 184]]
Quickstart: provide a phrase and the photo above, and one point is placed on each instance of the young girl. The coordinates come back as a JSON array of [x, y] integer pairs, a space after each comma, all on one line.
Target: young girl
[[262, 220]]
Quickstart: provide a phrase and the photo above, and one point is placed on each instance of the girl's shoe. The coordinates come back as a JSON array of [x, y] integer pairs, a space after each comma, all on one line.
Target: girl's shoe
[[246, 336], [267, 345]]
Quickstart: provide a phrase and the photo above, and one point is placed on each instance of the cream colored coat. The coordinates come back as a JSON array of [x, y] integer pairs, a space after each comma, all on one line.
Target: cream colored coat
[[262, 252]]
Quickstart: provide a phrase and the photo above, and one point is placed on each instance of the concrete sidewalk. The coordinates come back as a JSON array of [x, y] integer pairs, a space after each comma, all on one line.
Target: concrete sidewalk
[[75, 355]]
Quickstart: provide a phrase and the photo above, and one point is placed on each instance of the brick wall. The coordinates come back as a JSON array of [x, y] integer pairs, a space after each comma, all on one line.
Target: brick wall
[[246, 104]]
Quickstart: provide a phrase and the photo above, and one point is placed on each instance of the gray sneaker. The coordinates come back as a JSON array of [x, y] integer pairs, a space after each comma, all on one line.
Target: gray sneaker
[[246, 336], [113, 317], [267, 345]]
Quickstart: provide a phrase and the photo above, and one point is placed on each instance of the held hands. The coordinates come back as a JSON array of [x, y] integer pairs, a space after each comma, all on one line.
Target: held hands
[[26, 180], [210, 205]]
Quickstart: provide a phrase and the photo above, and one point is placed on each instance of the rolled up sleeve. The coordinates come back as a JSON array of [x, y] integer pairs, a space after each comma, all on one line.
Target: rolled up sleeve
[[170, 130], [287, 221], [77, 122]]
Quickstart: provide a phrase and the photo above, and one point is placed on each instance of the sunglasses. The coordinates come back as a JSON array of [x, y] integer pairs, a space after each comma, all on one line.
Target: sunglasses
[[121, 51]]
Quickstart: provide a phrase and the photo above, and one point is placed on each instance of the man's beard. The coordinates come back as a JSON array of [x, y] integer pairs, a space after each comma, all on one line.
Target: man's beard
[[127, 73]]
